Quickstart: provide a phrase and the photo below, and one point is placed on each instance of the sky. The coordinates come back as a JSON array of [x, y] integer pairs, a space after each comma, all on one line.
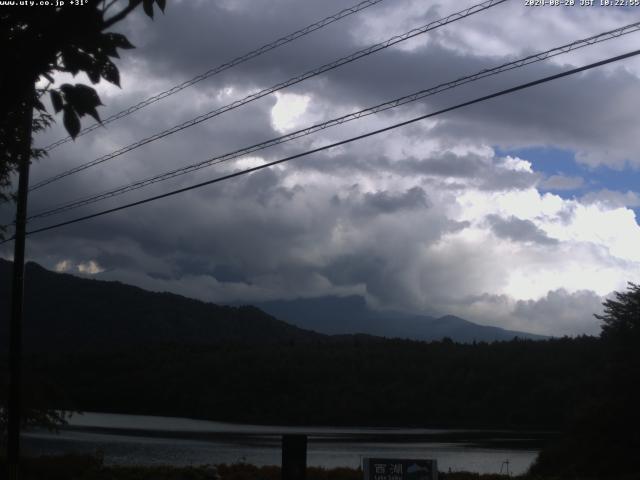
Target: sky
[[519, 212]]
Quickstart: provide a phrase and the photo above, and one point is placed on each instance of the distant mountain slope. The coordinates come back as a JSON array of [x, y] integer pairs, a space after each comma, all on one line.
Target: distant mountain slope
[[349, 315], [67, 312]]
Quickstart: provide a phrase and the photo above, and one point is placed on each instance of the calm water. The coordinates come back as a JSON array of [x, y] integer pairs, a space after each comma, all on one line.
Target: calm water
[[145, 440]]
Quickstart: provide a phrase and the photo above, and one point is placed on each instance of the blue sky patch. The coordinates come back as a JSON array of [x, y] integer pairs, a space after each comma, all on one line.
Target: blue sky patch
[[554, 161]]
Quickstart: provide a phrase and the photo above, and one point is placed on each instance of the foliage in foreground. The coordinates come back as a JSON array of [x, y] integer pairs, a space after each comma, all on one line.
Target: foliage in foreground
[[84, 467], [604, 437]]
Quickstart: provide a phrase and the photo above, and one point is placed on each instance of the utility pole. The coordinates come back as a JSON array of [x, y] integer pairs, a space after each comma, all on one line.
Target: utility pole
[[17, 291]]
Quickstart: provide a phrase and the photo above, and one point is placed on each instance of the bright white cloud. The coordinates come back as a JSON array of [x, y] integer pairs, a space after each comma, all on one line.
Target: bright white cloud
[[90, 268], [288, 110], [63, 266]]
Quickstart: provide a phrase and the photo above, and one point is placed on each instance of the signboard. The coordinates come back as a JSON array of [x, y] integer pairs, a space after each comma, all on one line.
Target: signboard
[[400, 469]]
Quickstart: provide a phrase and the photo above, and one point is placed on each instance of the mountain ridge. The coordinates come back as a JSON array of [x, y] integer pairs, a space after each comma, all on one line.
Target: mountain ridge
[[350, 315], [64, 311]]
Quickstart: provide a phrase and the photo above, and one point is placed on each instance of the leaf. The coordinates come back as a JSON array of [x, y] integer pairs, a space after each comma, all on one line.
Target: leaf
[[66, 88], [88, 94], [56, 100], [38, 153], [118, 40], [107, 48], [70, 65], [76, 60], [148, 7], [93, 74], [110, 73], [94, 113], [71, 121], [73, 60], [83, 99], [162, 4]]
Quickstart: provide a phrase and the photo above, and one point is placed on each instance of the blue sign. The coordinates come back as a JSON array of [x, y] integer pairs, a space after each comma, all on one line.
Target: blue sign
[[400, 469]]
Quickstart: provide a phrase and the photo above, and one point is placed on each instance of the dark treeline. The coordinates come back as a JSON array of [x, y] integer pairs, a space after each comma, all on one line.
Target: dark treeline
[[356, 381]]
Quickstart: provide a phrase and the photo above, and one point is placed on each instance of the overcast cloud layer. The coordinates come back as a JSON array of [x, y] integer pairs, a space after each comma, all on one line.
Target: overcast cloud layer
[[428, 218]]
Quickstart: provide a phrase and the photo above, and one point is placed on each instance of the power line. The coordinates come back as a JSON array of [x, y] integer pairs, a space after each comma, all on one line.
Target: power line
[[267, 91], [342, 142], [634, 27], [221, 68]]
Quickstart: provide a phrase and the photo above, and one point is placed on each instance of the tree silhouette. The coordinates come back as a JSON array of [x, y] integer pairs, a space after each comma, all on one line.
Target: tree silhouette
[[621, 318], [604, 438], [38, 42]]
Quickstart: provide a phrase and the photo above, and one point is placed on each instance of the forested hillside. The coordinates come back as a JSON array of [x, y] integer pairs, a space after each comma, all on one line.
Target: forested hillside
[[356, 381], [64, 312], [69, 312]]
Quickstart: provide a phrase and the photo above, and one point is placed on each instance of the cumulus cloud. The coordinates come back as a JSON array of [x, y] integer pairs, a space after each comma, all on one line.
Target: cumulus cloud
[[562, 182], [558, 313], [561, 312], [612, 199], [90, 267], [63, 266], [518, 230]]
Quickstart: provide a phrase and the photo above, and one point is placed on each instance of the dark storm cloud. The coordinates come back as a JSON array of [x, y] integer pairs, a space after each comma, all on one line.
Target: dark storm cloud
[[210, 34], [448, 165], [565, 112], [490, 174], [518, 230], [507, 179], [366, 83], [386, 202], [558, 313], [486, 174], [562, 312]]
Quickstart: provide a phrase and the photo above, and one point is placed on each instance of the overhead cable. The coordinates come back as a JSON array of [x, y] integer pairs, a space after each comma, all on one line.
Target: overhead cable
[[267, 91], [538, 57], [221, 68], [336, 144]]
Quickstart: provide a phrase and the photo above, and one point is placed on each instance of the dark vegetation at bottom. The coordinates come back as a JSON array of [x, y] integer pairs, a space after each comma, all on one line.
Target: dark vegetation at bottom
[[585, 386], [517, 384], [81, 467]]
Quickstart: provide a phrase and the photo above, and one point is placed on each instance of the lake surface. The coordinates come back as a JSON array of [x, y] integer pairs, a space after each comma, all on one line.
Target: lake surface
[[147, 440]]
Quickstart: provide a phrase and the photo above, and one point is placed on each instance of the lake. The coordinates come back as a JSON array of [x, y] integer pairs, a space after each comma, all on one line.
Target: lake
[[147, 440]]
